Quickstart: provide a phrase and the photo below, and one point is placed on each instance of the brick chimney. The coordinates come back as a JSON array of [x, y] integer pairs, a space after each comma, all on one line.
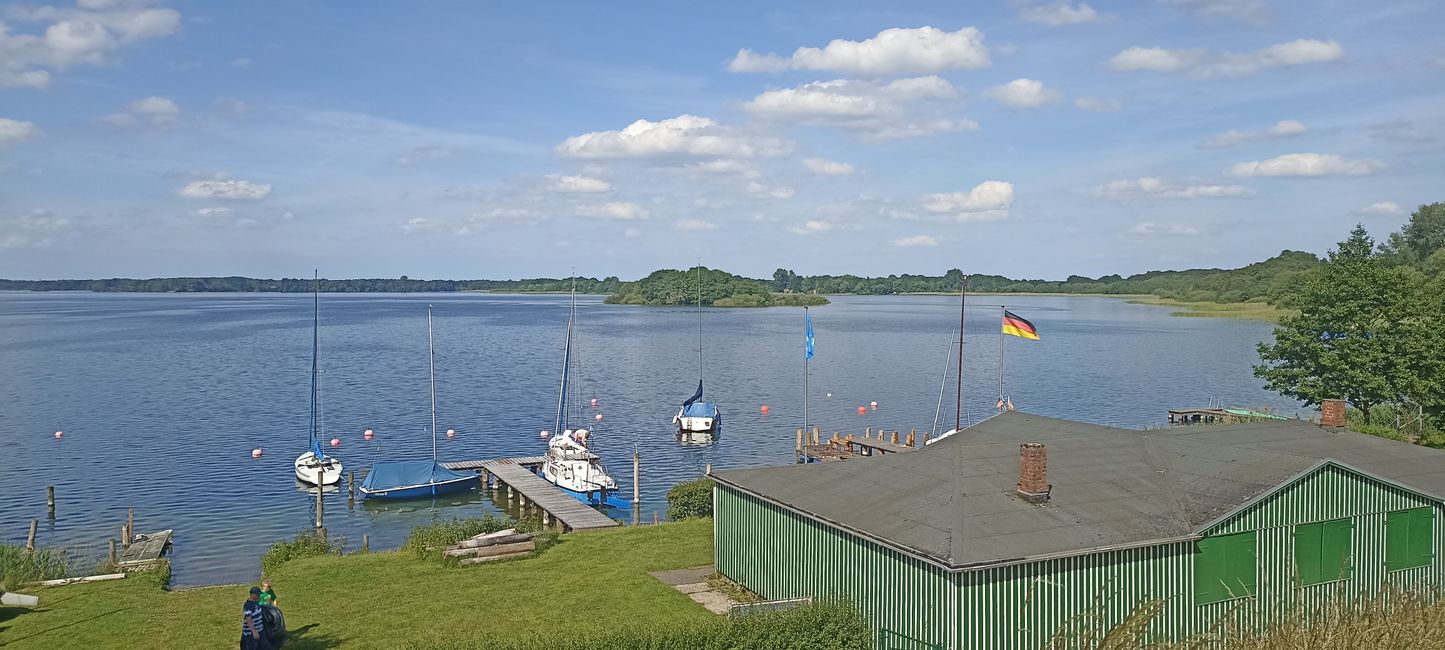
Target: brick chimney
[[1332, 413], [1033, 473]]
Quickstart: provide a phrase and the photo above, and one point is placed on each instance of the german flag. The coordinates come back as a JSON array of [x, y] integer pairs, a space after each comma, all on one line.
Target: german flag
[[1012, 324]]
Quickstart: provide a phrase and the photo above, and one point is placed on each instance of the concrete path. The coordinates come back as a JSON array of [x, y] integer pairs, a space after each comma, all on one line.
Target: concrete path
[[693, 582]]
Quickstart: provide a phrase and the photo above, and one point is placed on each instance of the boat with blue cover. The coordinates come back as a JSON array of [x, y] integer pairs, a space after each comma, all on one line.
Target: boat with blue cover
[[410, 479], [697, 417]]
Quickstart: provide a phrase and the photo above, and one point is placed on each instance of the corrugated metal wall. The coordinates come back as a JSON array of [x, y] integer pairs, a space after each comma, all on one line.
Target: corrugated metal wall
[[780, 554]]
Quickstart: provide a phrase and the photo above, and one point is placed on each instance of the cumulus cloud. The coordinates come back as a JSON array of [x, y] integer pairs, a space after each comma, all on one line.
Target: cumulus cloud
[[1206, 64], [214, 212], [1149, 228], [1096, 105], [777, 192], [722, 166], [691, 225], [1057, 13], [987, 201], [686, 135], [617, 210], [1307, 164], [1384, 207], [1023, 93], [893, 51], [915, 241], [579, 184], [16, 131], [812, 227], [158, 111], [226, 189], [1283, 129], [64, 37], [824, 167], [1150, 186], [1400, 131], [879, 111]]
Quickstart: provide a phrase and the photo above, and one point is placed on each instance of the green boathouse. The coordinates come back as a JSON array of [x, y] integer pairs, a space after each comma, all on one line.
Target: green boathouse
[[1023, 527]]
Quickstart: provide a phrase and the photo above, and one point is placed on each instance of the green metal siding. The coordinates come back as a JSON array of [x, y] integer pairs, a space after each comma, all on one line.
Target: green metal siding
[[778, 553]]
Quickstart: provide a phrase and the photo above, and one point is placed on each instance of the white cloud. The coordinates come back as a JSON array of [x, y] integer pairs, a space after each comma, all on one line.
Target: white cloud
[[1058, 13], [812, 227], [987, 201], [1205, 64], [16, 131], [1023, 93], [1283, 129], [618, 210], [1149, 228], [777, 192], [878, 111], [35, 229], [824, 167], [694, 225], [421, 155], [1252, 12], [1096, 105], [1384, 207], [158, 110], [893, 51], [1307, 164], [687, 135], [579, 184], [722, 166], [65, 37], [226, 189], [214, 212], [915, 241], [1401, 131], [1150, 186]]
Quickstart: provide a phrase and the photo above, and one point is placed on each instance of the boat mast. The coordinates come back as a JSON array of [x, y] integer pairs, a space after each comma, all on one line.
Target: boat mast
[[315, 341], [432, 367], [1004, 311], [699, 322], [566, 362], [958, 393]]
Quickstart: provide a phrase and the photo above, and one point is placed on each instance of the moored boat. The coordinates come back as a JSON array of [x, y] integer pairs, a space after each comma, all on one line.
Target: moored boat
[[314, 466]]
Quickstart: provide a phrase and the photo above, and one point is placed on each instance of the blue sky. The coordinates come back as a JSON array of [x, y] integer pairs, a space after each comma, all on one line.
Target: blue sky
[[492, 140]]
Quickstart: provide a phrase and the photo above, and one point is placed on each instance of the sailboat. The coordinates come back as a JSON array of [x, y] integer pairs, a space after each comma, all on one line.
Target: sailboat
[[314, 467], [697, 416], [958, 394], [570, 465], [417, 478]]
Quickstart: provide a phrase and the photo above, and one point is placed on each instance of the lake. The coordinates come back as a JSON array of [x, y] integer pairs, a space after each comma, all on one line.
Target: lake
[[162, 397]]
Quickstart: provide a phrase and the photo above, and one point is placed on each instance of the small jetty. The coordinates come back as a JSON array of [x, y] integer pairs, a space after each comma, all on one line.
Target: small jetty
[[517, 477], [1216, 415], [144, 551], [812, 447]]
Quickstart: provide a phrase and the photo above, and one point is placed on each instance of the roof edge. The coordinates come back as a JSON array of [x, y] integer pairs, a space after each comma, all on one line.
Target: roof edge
[[1323, 463]]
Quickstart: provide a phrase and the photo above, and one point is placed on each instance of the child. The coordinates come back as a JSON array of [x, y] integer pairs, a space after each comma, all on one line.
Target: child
[[268, 596]]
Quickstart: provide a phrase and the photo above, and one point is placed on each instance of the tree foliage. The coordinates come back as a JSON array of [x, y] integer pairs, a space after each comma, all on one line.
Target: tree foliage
[[701, 285]]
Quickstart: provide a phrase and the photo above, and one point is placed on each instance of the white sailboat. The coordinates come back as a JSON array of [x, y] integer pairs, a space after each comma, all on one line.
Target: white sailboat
[[697, 416], [570, 464], [314, 467]]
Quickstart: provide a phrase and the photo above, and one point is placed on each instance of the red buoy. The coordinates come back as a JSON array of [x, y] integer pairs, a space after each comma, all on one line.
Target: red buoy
[[545, 435], [368, 434], [336, 442], [59, 435], [451, 433], [597, 417], [256, 453], [764, 409], [594, 402], [862, 410]]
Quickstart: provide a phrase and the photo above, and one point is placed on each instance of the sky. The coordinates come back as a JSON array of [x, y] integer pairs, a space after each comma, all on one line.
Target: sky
[[495, 140]]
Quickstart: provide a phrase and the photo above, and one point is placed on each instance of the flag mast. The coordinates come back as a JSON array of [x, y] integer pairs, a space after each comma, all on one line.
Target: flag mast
[[807, 356], [1003, 314], [958, 393]]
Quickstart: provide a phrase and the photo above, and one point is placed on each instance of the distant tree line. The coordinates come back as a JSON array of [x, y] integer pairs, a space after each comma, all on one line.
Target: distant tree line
[[710, 287], [304, 285]]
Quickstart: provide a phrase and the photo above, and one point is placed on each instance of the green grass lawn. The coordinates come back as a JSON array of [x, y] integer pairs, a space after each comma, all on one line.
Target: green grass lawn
[[594, 581]]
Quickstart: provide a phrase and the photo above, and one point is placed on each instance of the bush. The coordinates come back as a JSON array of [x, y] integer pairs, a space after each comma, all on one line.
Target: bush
[[19, 566], [428, 540], [305, 544], [690, 500]]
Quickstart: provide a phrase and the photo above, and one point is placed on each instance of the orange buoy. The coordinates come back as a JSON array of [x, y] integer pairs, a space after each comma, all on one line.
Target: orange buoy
[[594, 402], [451, 433], [336, 442], [256, 453], [368, 434], [862, 410], [764, 409], [545, 435], [597, 417], [59, 435]]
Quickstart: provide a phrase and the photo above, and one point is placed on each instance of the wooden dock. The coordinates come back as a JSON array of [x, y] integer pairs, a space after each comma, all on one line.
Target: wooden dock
[[529, 489], [811, 447], [478, 465], [145, 550]]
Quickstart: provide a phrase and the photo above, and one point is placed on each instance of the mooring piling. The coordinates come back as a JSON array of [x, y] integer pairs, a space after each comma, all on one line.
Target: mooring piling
[[30, 539], [112, 551], [50, 499]]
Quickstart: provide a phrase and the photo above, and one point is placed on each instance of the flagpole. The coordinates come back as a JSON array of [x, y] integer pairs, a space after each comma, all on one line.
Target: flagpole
[[805, 379], [1003, 315], [958, 393]]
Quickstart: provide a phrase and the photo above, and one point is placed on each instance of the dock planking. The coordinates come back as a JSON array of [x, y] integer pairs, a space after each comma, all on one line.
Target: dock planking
[[473, 465], [145, 550], [565, 508]]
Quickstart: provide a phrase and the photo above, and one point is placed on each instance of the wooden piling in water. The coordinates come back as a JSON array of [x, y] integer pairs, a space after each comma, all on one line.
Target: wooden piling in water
[[798, 447], [129, 525], [112, 550], [707, 470], [50, 499], [320, 511], [910, 437], [654, 517], [365, 543], [124, 540], [351, 485], [925, 437], [816, 433], [30, 539], [895, 438]]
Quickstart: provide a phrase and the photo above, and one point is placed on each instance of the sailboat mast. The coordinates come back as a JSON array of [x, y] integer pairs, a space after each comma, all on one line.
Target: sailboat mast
[[566, 363], [432, 368], [805, 380], [958, 393], [315, 342], [699, 322]]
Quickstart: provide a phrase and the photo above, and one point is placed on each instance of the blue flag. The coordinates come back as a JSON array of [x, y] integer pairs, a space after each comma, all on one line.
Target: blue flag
[[808, 345]]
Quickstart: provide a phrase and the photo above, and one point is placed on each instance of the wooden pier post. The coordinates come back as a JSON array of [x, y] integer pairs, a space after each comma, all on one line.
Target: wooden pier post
[[636, 487], [112, 550], [129, 525], [708, 470], [486, 479], [350, 486], [30, 539], [816, 433], [910, 436], [654, 517], [365, 543], [546, 519], [895, 437], [925, 437], [124, 539], [320, 512], [798, 448], [509, 494], [50, 499]]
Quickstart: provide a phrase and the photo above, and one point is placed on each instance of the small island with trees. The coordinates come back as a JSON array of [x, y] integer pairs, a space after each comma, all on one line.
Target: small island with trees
[[709, 287]]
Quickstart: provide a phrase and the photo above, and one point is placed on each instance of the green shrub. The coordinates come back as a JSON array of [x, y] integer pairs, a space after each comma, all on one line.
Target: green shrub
[[19, 566], [428, 540], [690, 499], [305, 544]]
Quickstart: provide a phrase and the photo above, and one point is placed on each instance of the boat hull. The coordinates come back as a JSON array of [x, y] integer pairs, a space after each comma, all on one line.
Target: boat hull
[[697, 424], [597, 497], [422, 491], [326, 471]]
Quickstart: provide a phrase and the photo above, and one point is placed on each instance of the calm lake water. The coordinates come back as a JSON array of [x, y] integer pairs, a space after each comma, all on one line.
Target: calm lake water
[[163, 396]]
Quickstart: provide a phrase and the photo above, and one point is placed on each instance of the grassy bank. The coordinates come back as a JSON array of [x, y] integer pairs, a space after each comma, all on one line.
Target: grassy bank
[[597, 581], [1244, 310]]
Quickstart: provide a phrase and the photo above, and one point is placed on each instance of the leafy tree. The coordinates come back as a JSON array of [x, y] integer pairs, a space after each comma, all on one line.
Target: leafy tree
[[1353, 334], [1421, 238]]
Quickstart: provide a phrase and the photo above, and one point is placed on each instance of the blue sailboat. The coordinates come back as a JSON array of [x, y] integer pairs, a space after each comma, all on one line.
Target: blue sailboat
[[418, 478], [697, 416]]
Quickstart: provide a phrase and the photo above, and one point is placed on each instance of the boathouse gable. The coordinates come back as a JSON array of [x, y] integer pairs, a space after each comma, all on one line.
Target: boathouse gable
[[1247, 522]]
